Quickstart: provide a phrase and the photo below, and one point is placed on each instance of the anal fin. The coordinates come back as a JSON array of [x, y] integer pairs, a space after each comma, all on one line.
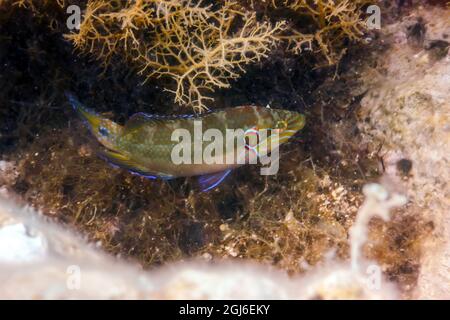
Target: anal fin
[[129, 164]]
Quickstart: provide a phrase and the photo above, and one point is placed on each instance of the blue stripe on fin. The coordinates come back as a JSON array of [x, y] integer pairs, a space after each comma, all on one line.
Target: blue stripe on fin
[[140, 118], [210, 181], [118, 160]]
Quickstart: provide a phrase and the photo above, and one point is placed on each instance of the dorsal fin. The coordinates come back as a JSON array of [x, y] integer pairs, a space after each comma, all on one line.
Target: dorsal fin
[[141, 118], [137, 120]]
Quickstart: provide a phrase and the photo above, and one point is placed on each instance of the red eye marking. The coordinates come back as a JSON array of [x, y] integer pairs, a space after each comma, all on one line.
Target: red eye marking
[[252, 132]]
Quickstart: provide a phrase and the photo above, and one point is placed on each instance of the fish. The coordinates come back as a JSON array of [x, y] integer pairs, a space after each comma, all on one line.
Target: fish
[[144, 145]]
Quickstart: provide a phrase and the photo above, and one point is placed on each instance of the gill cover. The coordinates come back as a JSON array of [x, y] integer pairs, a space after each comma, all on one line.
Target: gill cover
[[105, 130]]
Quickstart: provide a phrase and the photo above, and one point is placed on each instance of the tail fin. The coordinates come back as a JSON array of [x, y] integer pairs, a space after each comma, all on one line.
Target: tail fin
[[72, 99], [90, 118]]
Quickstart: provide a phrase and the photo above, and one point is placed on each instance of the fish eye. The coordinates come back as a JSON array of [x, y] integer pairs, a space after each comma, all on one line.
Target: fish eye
[[103, 131], [281, 125]]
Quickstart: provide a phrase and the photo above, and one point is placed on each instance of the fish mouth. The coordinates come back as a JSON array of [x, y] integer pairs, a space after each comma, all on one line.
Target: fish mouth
[[294, 124]]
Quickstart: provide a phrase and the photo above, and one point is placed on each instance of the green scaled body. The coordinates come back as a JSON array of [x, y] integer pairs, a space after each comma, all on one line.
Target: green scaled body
[[144, 145]]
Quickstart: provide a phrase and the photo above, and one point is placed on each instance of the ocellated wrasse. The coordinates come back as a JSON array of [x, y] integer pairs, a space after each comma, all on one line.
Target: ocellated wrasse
[[145, 144]]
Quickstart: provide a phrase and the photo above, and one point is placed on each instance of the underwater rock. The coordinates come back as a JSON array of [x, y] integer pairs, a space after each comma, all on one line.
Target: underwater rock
[[17, 245], [51, 262], [408, 112]]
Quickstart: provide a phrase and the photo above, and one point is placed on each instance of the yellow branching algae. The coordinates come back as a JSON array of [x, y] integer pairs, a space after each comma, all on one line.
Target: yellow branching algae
[[201, 47], [329, 23]]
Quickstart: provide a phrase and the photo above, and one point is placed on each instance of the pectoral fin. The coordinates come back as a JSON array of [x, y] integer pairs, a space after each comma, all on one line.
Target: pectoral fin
[[210, 181]]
